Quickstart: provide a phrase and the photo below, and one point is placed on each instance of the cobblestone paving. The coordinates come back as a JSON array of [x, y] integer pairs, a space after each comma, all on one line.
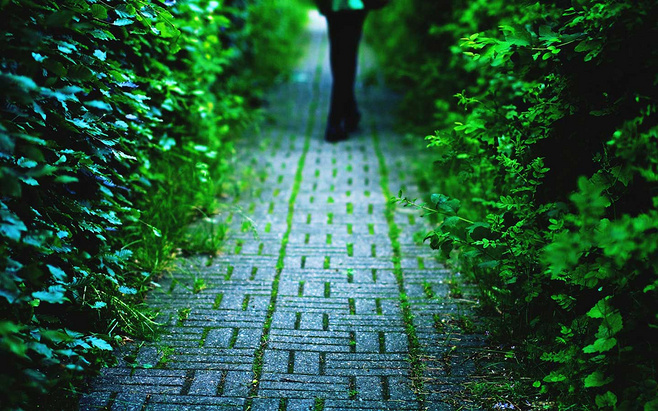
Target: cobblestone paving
[[332, 306]]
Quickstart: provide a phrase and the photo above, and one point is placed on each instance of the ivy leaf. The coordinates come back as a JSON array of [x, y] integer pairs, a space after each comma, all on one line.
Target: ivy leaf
[[596, 379], [608, 400], [99, 343], [38, 57], [547, 35], [58, 273], [600, 345], [98, 304], [555, 377], [9, 289], [11, 227], [54, 295], [611, 325], [101, 105], [56, 336], [516, 34], [122, 22], [599, 310], [66, 48], [42, 349], [26, 163], [101, 55], [127, 290]]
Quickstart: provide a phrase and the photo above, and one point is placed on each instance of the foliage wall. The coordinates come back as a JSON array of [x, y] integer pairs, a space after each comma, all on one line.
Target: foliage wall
[[546, 177], [116, 122]]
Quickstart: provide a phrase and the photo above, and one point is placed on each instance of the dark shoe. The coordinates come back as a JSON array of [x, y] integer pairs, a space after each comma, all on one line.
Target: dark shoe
[[335, 133], [352, 121]]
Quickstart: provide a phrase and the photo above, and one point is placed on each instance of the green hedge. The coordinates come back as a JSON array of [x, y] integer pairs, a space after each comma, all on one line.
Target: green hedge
[[548, 179], [115, 126]]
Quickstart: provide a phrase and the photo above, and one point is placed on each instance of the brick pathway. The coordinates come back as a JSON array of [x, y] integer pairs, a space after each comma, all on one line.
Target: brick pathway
[[332, 306]]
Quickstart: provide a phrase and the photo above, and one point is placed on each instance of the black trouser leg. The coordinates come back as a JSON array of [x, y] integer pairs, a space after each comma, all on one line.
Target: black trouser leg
[[345, 30]]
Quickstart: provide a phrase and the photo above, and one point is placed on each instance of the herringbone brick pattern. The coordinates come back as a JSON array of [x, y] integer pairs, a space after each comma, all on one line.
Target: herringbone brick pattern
[[307, 314]]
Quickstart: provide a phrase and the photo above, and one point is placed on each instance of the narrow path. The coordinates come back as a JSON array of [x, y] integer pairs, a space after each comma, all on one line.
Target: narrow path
[[332, 306]]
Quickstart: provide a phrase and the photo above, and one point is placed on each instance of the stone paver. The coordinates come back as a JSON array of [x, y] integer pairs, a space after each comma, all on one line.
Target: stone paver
[[307, 314]]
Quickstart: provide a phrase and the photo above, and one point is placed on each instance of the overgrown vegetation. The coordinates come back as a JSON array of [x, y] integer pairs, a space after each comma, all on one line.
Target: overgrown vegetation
[[546, 167], [115, 132]]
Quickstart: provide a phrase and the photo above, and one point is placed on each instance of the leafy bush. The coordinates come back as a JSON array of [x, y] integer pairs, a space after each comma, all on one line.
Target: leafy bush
[[110, 112], [553, 159]]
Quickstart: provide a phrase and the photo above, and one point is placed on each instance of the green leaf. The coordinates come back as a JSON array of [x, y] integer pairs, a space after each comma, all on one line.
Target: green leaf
[[15, 345], [125, 10], [66, 48], [19, 87], [490, 264], [66, 179], [555, 377], [127, 290], [611, 325], [54, 295], [445, 204], [9, 289], [122, 22], [478, 231], [99, 343], [42, 349], [547, 35], [98, 304], [58, 273], [101, 55], [56, 67], [101, 105], [98, 11], [600, 345], [8, 328], [29, 181], [11, 227], [517, 34], [599, 310], [26, 163], [649, 406], [450, 222], [55, 336], [590, 198], [596, 379], [167, 30], [607, 400], [102, 35], [38, 57], [60, 18]]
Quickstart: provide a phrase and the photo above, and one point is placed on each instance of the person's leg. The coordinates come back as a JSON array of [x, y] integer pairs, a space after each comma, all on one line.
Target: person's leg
[[344, 36], [336, 27], [353, 38]]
